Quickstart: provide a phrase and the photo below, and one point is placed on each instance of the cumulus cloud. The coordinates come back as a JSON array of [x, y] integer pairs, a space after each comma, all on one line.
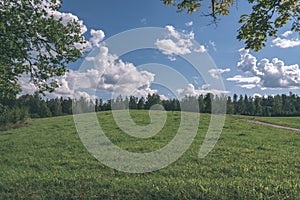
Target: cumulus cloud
[[286, 41], [178, 43], [169, 47], [97, 37], [247, 62], [109, 74], [215, 73], [173, 32], [65, 18], [266, 73]]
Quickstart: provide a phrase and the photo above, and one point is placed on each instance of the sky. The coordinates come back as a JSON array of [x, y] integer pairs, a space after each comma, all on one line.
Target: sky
[[273, 70]]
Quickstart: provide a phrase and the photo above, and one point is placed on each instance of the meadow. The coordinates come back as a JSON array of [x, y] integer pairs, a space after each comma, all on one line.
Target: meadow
[[293, 122], [47, 160]]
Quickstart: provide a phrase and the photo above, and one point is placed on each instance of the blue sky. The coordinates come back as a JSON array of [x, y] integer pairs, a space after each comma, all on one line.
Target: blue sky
[[242, 72]]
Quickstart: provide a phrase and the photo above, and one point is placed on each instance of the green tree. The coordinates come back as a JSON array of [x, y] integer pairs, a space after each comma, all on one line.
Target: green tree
[[34, 41], [258, 106], [235, 104], [152, 100], [176, 104], [55, 107], [277, 105], [230, 106], [250, 106], [119, 103], [133, 102], [66, 105], [141, 103], [241, 105], [207, 102], [201, 103], [190, 104], [266, 18]]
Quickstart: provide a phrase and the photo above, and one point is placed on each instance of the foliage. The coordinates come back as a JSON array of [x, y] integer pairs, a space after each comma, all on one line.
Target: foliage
[[11, 118], [266, 18], [48, 161], [33, 41]]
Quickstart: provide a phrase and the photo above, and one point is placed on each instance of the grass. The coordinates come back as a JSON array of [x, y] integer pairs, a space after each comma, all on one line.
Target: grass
[[293, 122], [48, 161]]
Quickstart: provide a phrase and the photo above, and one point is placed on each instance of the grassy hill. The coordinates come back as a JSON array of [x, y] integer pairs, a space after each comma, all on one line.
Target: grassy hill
[[47, 160]]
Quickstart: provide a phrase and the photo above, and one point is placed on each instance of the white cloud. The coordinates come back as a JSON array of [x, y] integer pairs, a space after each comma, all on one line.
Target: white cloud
[[85, 96], [267, 74], [247, 62], [173, 32], [241, 79], [288, 41], [177, 43], [256, 95], [248, 86], [201, 49], [215, 73], [213, 45], [190, 90], [171, 58], [97, 37], [287, 33], [169, 47], [143, 21], [163, 97], [65, 17], [50, 7], [189, 23], [108, 74], [26, 85], [247, 82]]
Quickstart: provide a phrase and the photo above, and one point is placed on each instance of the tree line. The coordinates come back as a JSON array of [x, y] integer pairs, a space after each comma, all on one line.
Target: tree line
[[34, 106]]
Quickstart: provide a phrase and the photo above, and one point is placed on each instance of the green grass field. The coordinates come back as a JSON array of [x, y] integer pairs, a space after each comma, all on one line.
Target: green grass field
[[293, 122], [47, 160]]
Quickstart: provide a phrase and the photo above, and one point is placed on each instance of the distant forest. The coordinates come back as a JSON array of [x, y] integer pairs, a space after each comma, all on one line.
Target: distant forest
[[34, 106]]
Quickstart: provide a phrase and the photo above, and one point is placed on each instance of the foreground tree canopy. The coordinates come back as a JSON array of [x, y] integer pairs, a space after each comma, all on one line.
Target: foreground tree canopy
[[266, 18], [35, 40]]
